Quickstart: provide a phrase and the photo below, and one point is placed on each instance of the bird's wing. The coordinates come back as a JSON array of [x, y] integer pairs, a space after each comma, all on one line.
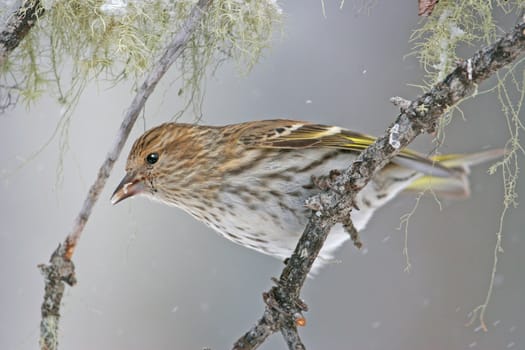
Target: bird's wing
[[290, 134]]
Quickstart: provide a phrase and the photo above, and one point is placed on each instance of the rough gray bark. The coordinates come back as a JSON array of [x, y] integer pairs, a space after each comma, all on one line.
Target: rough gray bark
[[61, 269], [283, 307], [17, 26]]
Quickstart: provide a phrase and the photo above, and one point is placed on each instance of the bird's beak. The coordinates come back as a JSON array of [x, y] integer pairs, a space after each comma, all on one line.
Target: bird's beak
[[128, 187]]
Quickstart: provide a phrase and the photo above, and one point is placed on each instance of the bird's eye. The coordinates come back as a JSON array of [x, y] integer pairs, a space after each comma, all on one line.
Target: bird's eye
[[152, 158]]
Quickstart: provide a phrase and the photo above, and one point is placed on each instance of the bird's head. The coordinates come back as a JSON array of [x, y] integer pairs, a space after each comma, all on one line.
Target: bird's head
[[160, 164]]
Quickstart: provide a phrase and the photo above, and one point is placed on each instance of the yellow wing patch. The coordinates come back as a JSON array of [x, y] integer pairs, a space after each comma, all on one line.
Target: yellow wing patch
[[289, 134]]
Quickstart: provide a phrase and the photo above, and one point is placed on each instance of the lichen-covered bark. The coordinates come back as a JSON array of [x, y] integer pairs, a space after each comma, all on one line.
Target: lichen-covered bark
[[17, 26], [334, 205]]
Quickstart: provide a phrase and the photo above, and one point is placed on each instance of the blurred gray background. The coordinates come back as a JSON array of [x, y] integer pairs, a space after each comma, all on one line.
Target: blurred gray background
[[151, 277]]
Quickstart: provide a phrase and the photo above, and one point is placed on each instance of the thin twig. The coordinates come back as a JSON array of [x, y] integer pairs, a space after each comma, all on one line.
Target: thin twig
[[335, 204], [61, 269]]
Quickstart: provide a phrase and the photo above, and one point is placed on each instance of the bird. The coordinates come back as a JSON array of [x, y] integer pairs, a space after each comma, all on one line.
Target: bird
[[249, 181]]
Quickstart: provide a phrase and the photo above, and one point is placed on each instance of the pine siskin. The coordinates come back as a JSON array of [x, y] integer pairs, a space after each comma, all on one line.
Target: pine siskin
[[249, 181]]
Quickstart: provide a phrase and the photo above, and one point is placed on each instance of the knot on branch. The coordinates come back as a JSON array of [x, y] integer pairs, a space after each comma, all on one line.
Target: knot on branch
[[286, 308], [334, 187], [326, 183], [400, 102], [60, 269], [421, 113]]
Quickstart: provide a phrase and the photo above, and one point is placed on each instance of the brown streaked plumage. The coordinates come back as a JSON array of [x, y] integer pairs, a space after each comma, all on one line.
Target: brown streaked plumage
[[249, 181]]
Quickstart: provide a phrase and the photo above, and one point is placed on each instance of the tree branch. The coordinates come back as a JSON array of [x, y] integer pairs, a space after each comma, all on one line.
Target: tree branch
[[17, 26], [61, 269], [283, 306], [425, 7]]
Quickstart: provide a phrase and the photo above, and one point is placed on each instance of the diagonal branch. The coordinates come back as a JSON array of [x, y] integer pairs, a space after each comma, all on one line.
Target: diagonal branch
[[425, 7], [283, 306], [61, 269], [17, 26]]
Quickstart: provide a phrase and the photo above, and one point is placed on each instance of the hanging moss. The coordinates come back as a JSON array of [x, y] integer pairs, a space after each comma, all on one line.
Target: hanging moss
[[117, 40], [472, 22], [455, 23]]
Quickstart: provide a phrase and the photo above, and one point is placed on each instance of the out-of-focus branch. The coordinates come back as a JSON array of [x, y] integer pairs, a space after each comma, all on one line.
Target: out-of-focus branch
[[7, 98], [425, 7], [283, 305], [17, 26], [61, 269]]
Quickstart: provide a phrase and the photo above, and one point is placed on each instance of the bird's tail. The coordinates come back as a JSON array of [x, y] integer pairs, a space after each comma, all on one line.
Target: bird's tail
[[454, 186]]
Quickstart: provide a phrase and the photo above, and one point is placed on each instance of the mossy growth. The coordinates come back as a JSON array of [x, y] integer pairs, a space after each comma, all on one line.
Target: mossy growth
[[456, 24], [117, 40]]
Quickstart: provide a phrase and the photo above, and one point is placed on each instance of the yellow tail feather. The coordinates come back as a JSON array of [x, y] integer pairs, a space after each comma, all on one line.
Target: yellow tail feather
[[453, 186]]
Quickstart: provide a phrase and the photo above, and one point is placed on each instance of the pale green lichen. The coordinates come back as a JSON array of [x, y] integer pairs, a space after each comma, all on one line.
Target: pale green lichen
[[91, 40], [48, 328], [472, 22], [453, 24], [511, 94]]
